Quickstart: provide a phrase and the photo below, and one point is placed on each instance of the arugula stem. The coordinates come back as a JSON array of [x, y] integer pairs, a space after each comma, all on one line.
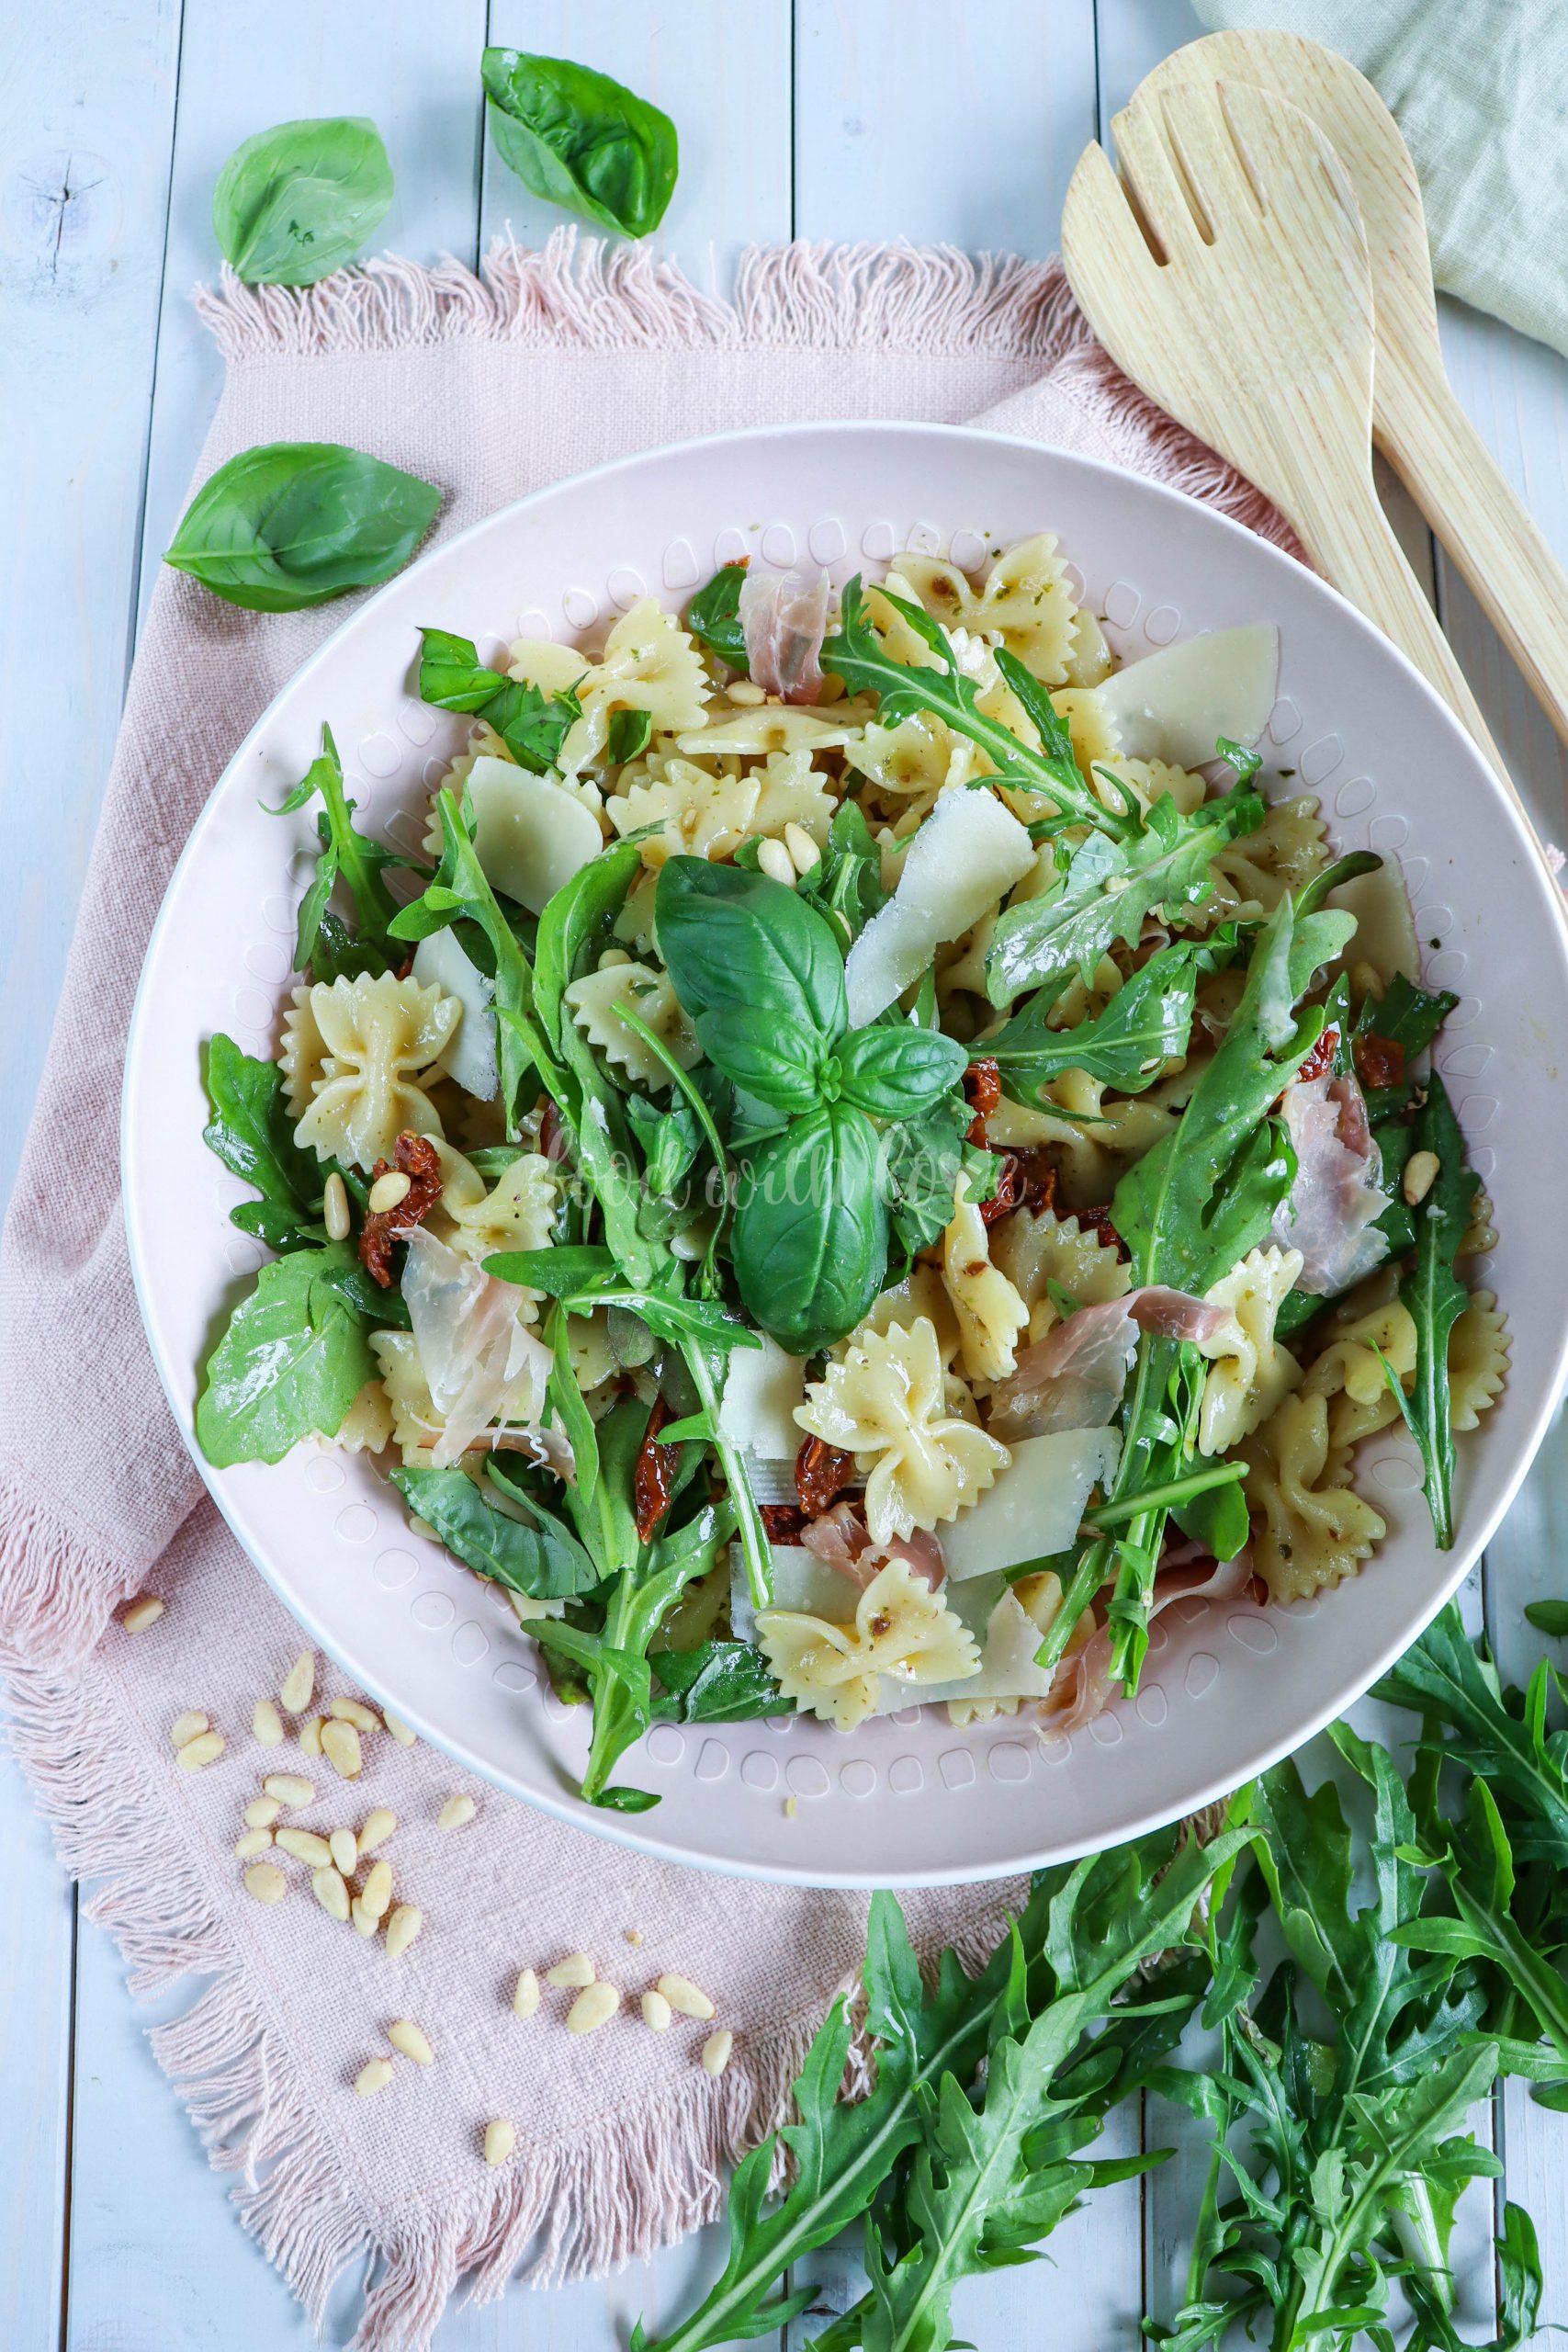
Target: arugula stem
[[374, 902], [1166, 1497], [755, 1549]]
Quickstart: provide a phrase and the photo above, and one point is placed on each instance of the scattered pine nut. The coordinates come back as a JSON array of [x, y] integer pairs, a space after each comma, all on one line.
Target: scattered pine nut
[[334, 1207], [656, 2011], [634, 1935], [364, 1922], [306, 1847], [500, 2138], [594, 2007], [776, 863], [310, 1736], [340, 1746], [329, 1892], [261, 1811], [376, 1891], [345, 1848], [388, 1191], [290, 1788], [373, 2076], [266, 1883], [402, 1927], [682, 1994], [266, 1724], [1420, 1175], [253, 1842], [791, 1806], [745, 691], [717, 2049], [299, 1684], [575, 1969], [353, 1711], [525, 1999], [199, 1753], [400, 1730], [411, 2038], [455, 1812], [803, 852], [377, 1827], [143, 1613], [187, 1727]]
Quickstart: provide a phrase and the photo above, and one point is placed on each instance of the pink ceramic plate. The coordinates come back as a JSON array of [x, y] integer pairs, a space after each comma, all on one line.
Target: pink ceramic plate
[[908, 1799]]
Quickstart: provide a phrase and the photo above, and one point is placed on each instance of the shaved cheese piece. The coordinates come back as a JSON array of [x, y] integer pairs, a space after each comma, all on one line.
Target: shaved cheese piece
[[530, 835], [1036, 1504], [968, 854], [761, 1390], [1386, 928], [439, 961], [801, 1582], [1177, 703], [481, 1361]]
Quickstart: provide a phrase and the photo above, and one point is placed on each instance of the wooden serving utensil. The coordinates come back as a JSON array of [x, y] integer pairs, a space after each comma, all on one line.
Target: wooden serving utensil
[[1416, 419]]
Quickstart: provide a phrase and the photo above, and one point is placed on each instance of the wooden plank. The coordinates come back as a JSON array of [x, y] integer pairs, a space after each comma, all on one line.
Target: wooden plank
[[37, 1941]]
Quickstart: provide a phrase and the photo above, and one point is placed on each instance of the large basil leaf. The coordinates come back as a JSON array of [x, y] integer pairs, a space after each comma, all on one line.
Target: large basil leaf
[[713, 617], [893, 1072], [296, 523], [810, 1236], [294, 203], [295, 1356], [578, 139], [759, 972], [545, 1561]]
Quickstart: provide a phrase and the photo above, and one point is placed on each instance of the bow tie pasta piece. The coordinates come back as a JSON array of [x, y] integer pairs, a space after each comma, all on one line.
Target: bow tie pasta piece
[[699, 815], [887, 1402], [916, 760], [1024, 600], [415, 1423], [1478, 1360], [1034, 1248], [595, 1000], [921, 1291], [1152, 780], [1281, 854], [760, 727], [366, 1426], [516, 1213], [1316, 1530], [1251, 1371], [303, 1059], [990, 1312], [382, 1036], [1348, 1375], [901, 1628], [649, 663]]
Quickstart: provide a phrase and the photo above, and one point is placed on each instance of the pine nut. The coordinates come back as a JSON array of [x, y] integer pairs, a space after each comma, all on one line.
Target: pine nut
[[378, 1825], [340, 1746], [261, 1811], [389, 1191], [199, 1753], [306, 1847], [334, 1207], [791, 1806], [500, 2138], [634, 1935], [266, 1883], [376, 1891], [803, 852], [717, 2049], [525, 1999], [656, 2011], [373, 2076], [253, 1842], [400, 1730], [310, 1736], [329, 1892], [364, 1922], [187, 1727], [682, 1994], [266, 1724], [1420, 1175], [575, 1969], [404, 2035], [402, 1927], [299, 1684], [776, 862], [594, 2007], [353, 1711], [143, 1613], [746, 693], [345, 1848], [455, 1812], [288, 1788]]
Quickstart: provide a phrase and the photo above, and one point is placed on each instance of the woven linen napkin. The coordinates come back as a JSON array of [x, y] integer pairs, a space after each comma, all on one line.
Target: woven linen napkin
[[489, 387]]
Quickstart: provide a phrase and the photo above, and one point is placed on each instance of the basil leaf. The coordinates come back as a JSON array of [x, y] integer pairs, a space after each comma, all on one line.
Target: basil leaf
[[759, 972], [293, 1359], [252, 1132], [294, 203], [296, 523], [670, 1139], [718, 1682], [810, 1236], [631, 732], [713, 617], [1436, 1299], [895, 1072], [578, 139], [545, 1561], [1549, 1617], [1146, 1023]]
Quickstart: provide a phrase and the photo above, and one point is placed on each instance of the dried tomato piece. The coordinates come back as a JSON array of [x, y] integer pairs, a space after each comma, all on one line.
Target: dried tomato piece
[[654, 1477], [1321, 1058], [781, 1522], [417, 1158], [1379, 1060], [982, 1091], [1036, 1178], [1006, 1195], [552, 1135], [821, 1473], [1099, 1221]]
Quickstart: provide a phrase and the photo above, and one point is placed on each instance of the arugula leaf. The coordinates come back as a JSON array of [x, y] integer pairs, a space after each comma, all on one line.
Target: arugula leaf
[[252, 1133], [1437, 1299], [846, 882], [578, 139], [713, 617], [294, 203], [279, 529], [810, 1243], [670, 1139], [294, 1356], [545, 1561], [348, 855], [1245, 763], [921, 1162], [897, 1072], [717, 1682], [1146, 1023], [532, 725]]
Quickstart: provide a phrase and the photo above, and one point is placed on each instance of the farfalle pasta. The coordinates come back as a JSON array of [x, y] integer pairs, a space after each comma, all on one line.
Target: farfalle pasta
[[379, 1037], [887, 1402]]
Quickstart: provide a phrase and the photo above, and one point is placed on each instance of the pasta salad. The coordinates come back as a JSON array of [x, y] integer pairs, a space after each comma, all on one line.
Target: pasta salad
[[864, 1155]]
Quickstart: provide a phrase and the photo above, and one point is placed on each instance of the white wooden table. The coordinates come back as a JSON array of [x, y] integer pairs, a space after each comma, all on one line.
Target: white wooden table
[[959, 120]]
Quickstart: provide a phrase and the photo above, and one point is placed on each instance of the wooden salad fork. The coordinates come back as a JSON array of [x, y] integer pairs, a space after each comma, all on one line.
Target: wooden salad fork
[[1417, 421], [1226, 272]]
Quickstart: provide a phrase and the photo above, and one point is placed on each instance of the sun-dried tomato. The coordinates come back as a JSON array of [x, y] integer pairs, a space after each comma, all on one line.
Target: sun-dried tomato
[[1099, 1221], [1036, 1178], [654, 1477], [1381, 1060], [406, 967], [1006, 1195], [1321, 1058], [417, 1158], [821, 1473], [982, 1091], [781, 1522], [552, 1136]]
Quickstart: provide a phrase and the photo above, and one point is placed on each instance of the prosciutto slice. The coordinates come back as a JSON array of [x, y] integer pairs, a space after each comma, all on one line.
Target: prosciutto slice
[[783, 617], [840, 1540], [481, 1361], [1073, 1378], [1330, 1210], [1083, 1683]]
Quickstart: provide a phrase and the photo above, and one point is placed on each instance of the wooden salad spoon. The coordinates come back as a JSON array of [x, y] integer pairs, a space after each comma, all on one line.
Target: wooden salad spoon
[[1417, 421]]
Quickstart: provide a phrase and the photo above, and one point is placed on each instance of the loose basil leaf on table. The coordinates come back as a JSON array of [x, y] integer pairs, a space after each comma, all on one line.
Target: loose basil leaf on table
[[294, 203], [578, 139], [293, 1359], [296, 523]]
